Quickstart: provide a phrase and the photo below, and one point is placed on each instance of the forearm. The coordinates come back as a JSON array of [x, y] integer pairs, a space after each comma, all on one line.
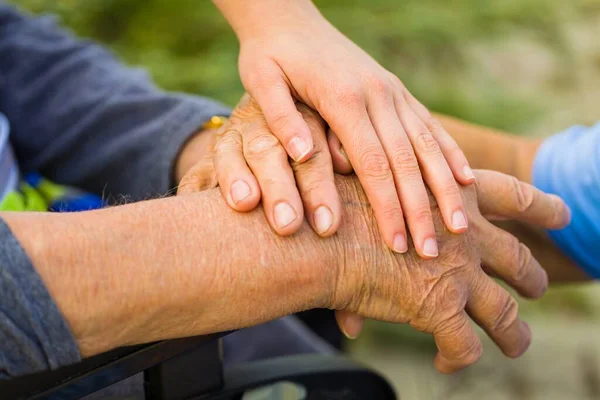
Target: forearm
[[487, 148], [249, 17], [131, 274]]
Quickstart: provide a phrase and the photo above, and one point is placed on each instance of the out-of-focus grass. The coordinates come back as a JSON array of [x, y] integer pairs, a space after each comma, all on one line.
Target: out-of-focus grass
[[188, 46]]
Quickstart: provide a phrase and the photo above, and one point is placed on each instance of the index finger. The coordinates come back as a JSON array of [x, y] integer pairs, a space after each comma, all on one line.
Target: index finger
[[504, 196]]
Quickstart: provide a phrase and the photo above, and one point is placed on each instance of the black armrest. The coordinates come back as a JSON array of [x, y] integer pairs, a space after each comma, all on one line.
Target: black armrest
[[191, 368], [98, 372]]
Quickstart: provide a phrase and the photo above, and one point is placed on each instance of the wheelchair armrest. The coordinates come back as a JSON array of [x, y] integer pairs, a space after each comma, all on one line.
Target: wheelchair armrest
[[95, 373], [321, 376]]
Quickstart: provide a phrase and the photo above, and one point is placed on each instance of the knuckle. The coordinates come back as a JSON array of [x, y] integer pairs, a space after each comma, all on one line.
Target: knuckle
[[282, 121], [432, 122], [506, 316], [449, 188], [396, 82], [422, 214], [426, 143], [523, 261], [375, 165], [472, 353], [230, 141], [379, 87], [404, 161], [391, 213], [515, 256], [258, 78], [349, 96], [523, 195], [263, 145]]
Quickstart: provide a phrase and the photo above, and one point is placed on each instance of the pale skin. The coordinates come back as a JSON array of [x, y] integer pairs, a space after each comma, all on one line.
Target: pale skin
[[396, 146], [157, 269]]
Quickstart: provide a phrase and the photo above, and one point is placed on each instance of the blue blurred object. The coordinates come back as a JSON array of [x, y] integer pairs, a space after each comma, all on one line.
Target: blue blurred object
[[568, 165]]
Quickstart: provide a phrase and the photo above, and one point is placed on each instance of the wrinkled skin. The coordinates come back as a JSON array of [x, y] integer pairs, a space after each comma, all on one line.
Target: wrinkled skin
[[434, 296]]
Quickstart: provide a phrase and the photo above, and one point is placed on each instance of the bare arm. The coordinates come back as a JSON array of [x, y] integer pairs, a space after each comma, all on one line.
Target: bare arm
[[189, 265], [488, 148], [125, 275]]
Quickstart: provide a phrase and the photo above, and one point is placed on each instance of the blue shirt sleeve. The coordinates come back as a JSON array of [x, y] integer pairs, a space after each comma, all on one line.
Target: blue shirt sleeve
[[568, 164], [82, 118]]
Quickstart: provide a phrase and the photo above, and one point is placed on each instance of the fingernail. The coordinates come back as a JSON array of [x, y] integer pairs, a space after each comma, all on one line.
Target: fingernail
[[468, 172], [430, 247], [459, 221], [527, 342], [323, 219], [284, 215], [299, 148], [352, 326], [239, 191], [400, 244]]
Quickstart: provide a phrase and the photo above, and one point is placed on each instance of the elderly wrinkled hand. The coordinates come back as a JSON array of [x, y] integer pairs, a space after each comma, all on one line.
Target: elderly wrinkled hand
[[435, 296]]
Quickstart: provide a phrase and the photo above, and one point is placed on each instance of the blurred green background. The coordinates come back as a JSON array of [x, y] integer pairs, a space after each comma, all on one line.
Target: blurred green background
[[527, 66], [491, 62]]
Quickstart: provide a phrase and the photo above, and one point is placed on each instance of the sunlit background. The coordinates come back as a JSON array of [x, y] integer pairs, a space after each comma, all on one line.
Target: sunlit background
[[527, 66]]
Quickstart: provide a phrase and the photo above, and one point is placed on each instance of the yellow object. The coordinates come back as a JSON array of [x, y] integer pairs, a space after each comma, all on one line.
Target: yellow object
[[215, 122]]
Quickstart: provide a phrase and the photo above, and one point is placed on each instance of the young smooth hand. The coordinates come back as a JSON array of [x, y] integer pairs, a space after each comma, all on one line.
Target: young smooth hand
[[289, 52]]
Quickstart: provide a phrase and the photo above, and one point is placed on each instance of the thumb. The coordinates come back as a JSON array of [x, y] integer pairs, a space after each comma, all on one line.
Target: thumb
[[272, 93], [350, 324]]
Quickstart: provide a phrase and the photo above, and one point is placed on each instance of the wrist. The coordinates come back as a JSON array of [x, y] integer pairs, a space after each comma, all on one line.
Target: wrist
[[250, 19], [195, 149], [363, 249]]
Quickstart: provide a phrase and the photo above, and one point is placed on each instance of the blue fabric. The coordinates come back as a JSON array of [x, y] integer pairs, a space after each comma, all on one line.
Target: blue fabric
[[9, 172], [568, 164]]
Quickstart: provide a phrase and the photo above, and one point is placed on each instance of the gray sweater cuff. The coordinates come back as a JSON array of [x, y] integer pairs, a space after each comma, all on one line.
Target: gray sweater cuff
[[34, 336], [186, 120]]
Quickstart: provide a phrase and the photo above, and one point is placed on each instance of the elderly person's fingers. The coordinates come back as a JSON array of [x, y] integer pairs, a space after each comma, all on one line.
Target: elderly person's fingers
[[350, 324], [238, 185], [458, 344], [505, 197], [510, 260], [269, 163], [315, 181], [341, 163], [497, 312]]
